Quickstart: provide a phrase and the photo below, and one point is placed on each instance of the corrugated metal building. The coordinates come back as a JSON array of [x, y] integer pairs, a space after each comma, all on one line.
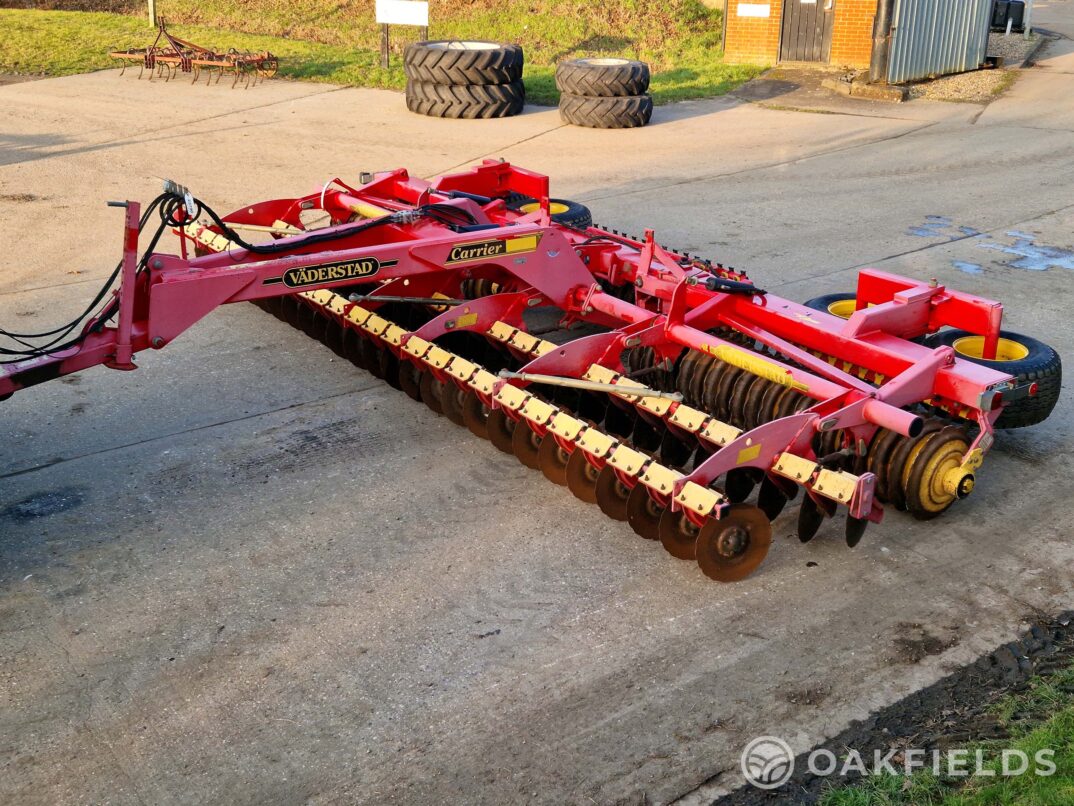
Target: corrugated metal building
[[901, 40]]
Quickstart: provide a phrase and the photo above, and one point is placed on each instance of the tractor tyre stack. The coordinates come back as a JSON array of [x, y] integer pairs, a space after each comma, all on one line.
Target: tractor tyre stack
[[464, 79], [604, 93]]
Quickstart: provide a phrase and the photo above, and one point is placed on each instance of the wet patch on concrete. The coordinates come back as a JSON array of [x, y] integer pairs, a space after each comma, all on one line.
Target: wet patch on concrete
[[41, 505], [1030, 255], [1022, 246]]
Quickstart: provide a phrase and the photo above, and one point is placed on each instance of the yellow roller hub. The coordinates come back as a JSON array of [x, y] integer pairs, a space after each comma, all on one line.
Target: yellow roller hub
[[1006, 350], [843, 308], [934, 490], [554, 208]]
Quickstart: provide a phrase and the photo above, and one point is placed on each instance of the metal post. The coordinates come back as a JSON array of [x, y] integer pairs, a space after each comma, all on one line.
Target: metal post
[[1028, 21], [125, 318], [384, 46], [153, 13], [878, 64], [424, 32]]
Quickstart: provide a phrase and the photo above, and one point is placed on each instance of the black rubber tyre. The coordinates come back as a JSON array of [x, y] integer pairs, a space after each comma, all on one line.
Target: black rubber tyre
[[459, 63], [1041, 365], [570, 213], [627, 112], [602, 78], [826, 302], [471, 101]]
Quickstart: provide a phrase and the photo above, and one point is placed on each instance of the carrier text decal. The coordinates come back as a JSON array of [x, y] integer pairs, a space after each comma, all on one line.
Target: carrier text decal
[[481, 250]]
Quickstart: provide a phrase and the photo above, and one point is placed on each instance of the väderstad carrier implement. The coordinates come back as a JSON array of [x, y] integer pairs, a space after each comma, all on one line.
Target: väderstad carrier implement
[[693, 389]]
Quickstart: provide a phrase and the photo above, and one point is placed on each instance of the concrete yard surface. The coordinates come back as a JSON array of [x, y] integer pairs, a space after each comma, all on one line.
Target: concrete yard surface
[[251, 573]]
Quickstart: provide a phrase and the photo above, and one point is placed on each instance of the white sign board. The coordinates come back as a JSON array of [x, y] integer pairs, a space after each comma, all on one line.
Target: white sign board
[[754, 9], [403, 12]]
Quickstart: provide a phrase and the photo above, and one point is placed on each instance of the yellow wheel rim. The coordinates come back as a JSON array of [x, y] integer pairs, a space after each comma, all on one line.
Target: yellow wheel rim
[[843, 308], [1007, 349], [555, 208]]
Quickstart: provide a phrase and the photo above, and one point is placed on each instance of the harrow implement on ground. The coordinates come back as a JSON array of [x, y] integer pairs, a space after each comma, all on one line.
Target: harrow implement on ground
[[169, 56], [687, 389]]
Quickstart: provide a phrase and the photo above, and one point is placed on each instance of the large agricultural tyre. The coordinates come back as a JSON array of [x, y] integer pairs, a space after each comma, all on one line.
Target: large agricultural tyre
[[602, 78], [1028, 360], [626, 112], [457, 62], [563, 211], [468, 101]]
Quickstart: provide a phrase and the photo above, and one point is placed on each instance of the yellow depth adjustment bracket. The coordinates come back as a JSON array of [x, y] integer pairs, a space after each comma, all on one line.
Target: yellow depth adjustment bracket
[[837, 485], [623, 458]]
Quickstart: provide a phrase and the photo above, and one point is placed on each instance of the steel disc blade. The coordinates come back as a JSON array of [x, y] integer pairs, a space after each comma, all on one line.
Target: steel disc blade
[[643, 513], [592, 406], [500, 429], [371, 358], [738, 484], [810, 517], [674, 452], [317, 328], [619, 422], [289, 310], [451, 401], [855, 530], [409, 380], [389, 367], [612, 494], [678, 535], [352, 348], [770, 498], [581, 477], [271, 305], [732, 547], [525, 442], [646, 436], [333, 338], [475, 415], [306, 319], [552, 461], [431, 389]]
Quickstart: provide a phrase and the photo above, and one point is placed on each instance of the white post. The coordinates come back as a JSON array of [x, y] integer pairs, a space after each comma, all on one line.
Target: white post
[[1028, 21], [153, 13]]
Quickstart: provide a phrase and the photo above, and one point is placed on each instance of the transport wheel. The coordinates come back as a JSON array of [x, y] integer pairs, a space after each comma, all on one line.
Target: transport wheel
[[612, 494], [463, 62], [643, 513], [1028, 360], [602, 78], [678, 535], [842, 304], [732, 547], [582, 478], [624, 112], [468, 101], [563, 211]]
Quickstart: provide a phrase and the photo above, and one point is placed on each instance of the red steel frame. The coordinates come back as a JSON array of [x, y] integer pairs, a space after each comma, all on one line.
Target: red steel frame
[[870, 368]]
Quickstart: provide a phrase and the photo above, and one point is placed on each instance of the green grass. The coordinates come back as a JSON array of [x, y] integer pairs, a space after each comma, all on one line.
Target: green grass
[[338, 42], [1041, 718]]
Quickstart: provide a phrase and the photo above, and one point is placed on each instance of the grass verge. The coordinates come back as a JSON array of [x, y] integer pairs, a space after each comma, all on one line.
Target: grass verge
[[323, 42], [1040, 717]]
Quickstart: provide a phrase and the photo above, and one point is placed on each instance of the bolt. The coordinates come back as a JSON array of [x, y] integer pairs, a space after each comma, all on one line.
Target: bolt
[[158, 263], [639, 282], [157, 342]]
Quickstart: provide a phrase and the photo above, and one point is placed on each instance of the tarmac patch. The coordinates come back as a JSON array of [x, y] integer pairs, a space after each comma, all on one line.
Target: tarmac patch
[[42, 505]]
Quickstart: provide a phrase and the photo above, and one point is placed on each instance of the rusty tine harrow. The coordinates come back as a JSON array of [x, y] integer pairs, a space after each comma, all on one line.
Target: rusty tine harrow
[[694, 391], [170, 56]]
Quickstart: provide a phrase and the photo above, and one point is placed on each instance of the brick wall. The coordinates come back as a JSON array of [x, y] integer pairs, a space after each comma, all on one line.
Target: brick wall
[[852, 34], [753, 39], [756, 39]]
